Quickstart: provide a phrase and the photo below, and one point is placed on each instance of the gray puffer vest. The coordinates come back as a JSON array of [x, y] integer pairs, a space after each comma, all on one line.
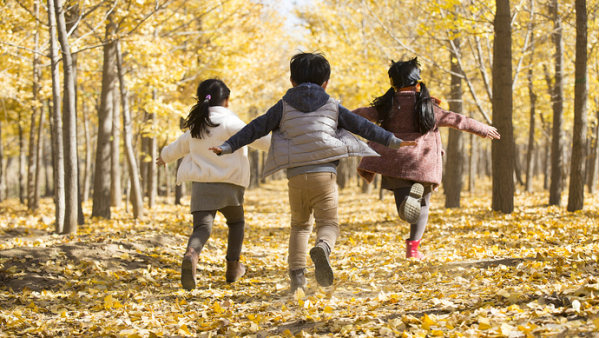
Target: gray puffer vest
[[311, 138]]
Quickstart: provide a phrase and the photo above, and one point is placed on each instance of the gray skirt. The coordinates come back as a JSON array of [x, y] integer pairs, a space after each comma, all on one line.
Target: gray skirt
[[215, 196]]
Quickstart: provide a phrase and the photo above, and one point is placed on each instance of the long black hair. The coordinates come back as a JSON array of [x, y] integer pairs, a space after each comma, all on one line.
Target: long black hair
[[406, 74], [210, 93]]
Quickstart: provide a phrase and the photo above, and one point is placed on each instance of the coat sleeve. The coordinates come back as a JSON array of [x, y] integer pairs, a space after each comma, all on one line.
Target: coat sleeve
[[367, 112], [235, 124], [460, 122], [177, 149]]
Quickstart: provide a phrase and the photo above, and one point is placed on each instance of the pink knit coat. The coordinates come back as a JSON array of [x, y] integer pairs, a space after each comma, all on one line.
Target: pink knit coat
[[423, 162]]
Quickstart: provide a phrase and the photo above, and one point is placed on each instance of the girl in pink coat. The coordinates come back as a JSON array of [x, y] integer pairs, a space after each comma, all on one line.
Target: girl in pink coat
[[412, 173]]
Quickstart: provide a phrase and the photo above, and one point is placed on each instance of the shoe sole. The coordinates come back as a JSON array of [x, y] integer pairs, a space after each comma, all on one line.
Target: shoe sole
[[187, 275], [412, 206], [323, 270]]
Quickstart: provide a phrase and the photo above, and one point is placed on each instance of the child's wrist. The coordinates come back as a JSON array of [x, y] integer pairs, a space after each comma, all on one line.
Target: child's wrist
[[395, 143]]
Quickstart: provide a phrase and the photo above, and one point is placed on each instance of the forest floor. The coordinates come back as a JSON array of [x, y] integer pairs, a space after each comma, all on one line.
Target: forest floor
[[533, 273]]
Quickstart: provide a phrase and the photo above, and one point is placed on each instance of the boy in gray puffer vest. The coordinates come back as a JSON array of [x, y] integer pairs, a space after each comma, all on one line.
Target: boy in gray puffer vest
[[310, 136]]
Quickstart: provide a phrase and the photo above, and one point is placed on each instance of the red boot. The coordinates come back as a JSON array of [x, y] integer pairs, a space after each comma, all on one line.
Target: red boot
[[412, 249]]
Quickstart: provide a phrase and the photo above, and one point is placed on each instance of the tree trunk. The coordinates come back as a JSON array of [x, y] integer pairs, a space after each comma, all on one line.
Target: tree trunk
[[531, 141], [22, 160], [592, 178], [38, 161], [342, 173], [136, 193], [577, 179], [547, 165], [102, 179], [503, 186], [179, 190], [87, 177], [556, 182], [116, 194], [518, 166], [366, 188], [57, 130], [49, 191], [473, 162], [254, 158], [142, 156], [70, 127], [2, 181], [152, 168], [454, 160], [32, 204]]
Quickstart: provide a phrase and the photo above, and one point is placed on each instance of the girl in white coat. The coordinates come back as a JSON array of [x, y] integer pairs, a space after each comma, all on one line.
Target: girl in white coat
[[219, 182]]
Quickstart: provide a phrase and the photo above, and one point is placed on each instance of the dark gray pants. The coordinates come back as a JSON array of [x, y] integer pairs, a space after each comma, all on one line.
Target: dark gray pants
[[417, 229], [203, 223]]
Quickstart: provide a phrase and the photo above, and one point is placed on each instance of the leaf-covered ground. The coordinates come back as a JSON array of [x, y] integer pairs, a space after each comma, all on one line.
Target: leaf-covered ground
[[533, 273]]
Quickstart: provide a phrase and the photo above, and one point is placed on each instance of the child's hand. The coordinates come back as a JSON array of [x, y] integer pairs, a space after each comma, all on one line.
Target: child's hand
[[408, 143], [493, 133], [160, 161], [216, 150]]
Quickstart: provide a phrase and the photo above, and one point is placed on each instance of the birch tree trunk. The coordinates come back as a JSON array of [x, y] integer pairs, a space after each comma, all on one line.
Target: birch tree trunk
[[32, 204], [556, 181], [116, 194], [102, 179], [38, 161], [503, 186], [592, 179], [87, 176], [136, 193], [70, 126], [152, 168], [57, 130], [454, 160]]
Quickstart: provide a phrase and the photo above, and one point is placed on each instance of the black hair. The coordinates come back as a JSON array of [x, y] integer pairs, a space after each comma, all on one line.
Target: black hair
[[210, 93], [406, 74], [309, 67]]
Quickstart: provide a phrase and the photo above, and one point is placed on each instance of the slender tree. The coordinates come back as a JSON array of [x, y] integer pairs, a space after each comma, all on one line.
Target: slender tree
[[102, 179], [116, 194], [70, 126], [32, 204], [531, 141], [556, 179], [454, 162], [38, 161], [2, 181], [87, 176], [503, 188], [57, 131], [136, 192], [152, 168], [577, 179], [22, 161]]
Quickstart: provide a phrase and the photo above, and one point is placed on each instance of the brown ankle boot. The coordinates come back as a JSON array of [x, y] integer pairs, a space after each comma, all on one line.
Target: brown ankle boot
[[235, 270], [188, 269]]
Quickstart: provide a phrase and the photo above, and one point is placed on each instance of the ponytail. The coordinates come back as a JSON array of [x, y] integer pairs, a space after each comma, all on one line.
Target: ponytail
[[198, 120], [424, 117], [383, 105], [212, 92]]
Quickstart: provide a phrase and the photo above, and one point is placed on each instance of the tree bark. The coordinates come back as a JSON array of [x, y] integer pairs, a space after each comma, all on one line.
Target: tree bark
[[518, 166], [577, 179], [503, 186], [32, 204], [57, 129], [454, 160], [87, 176], [592, 177], [38, 161], [254, 158], [116, 194], [473, 161], [102, 179], [179, 190], [70, 126], [152, 168], [556, 181], [136, 193], [2, 181], [531, 142]]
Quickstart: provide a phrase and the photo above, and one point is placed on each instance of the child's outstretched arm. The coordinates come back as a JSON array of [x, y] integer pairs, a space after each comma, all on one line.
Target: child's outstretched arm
[[254, 130], [175, 150], [372, 132]]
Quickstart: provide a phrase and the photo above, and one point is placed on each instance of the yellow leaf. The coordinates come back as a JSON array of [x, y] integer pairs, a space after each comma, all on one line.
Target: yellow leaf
[[427, 322], [17, 313], [437, 333], [108, 302], [184, 330], [328, 309], [484, 324]]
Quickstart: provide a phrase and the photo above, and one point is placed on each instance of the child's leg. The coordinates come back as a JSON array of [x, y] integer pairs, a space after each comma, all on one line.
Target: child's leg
[[416, 229], [301, 222], [323, 197], [236, 223], [203, 222]]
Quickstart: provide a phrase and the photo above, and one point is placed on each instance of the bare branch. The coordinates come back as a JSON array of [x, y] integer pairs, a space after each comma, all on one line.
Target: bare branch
[[24, 48], [31, 13]]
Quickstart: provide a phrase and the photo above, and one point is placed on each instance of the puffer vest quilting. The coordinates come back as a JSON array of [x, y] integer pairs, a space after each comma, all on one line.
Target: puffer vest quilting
[[311, 138]]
